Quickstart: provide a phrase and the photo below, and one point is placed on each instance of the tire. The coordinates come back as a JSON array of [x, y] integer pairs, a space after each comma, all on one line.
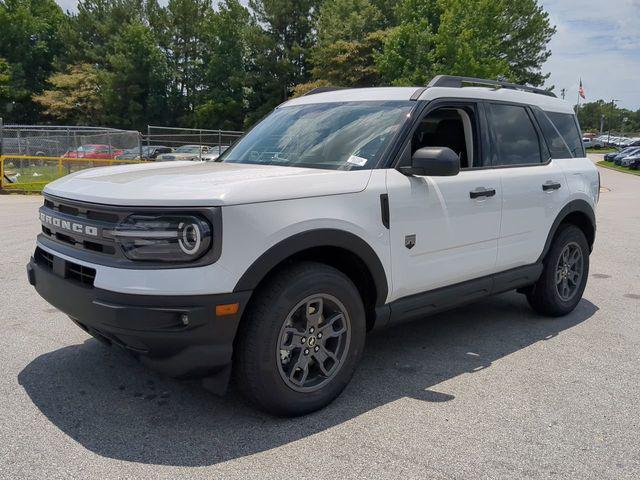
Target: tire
[[545, 297], [266, 354]]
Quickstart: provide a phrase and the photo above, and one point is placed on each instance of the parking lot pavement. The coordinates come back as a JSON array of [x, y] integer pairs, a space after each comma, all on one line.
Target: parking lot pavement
[[486, 391]]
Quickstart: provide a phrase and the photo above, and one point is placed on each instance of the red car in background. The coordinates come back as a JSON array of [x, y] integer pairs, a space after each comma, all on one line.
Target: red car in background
[[93, 151]]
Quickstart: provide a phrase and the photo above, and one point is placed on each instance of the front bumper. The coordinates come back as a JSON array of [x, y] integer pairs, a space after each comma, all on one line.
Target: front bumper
[[180, 336]]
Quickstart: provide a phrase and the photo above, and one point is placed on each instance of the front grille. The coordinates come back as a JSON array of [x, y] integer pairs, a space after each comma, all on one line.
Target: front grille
[[69, 213], [68, 270], [80, 273], [44, 258]]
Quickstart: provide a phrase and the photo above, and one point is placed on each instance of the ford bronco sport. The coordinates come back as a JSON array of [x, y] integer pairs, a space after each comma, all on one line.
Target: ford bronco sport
[[342, 211]]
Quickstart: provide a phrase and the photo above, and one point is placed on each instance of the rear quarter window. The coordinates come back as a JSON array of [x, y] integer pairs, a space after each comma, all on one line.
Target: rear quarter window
[[558, 148], [568, 128]]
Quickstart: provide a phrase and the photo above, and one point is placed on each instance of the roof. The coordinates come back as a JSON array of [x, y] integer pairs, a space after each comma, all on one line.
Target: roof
[[547, 103]]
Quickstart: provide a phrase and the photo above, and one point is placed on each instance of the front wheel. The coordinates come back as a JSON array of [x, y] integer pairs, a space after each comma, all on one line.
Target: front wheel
[[301, 340], [565, 273]]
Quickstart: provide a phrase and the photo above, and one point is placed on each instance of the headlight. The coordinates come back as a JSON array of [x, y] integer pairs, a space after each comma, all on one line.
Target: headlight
[[164, 238]]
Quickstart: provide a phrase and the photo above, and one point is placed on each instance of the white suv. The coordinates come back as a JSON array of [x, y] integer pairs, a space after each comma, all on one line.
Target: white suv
[[342, 211]]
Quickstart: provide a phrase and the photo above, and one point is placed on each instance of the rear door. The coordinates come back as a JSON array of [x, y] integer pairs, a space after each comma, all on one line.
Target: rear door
[[534, 188]]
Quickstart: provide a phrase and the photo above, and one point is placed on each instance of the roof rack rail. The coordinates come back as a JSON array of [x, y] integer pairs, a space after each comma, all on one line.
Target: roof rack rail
[[322, 90], [457, 82]]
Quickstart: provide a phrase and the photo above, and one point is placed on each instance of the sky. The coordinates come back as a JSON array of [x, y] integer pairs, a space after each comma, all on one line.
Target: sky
[[596, 40]]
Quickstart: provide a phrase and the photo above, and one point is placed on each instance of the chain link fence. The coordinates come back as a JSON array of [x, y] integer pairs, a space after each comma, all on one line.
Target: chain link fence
[[212, 140], [33, 155], [68, 142]]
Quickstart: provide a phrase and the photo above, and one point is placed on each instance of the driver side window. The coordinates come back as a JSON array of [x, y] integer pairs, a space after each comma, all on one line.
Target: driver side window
[[454, 127]]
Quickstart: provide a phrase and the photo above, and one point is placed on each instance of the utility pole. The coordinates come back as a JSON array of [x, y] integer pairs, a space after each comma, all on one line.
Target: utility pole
[[563, 92], [613, 106]]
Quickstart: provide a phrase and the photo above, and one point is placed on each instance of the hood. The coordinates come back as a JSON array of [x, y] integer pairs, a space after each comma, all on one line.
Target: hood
[[203, 184]]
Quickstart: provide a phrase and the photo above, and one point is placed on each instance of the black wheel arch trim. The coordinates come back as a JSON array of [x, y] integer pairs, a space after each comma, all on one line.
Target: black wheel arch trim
[[317, 238], [580, 206]]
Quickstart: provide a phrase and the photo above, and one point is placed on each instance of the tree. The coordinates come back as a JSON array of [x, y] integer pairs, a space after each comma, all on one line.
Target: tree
[[30, 44], [75, 96], [90, 33], [226, 57], [5, 83], [180, 30], [134, 85], [490, 38], [481, 38], [350, 34], [289, 24], [591, 113]]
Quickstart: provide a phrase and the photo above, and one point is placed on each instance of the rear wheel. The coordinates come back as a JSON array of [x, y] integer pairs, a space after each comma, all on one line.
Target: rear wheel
[[301, 340], [565, 273]]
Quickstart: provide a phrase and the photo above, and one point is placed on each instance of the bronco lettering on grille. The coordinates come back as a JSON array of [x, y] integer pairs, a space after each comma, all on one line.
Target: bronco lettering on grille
[[68, 225]]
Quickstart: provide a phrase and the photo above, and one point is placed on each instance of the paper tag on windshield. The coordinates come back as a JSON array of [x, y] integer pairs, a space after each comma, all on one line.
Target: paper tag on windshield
[[357, 160]]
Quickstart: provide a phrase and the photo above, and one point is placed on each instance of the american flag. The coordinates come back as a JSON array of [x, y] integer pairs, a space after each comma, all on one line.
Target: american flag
[[581, 90]]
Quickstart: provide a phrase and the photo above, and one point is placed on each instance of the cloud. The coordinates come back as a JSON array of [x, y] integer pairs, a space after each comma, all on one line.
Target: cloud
[[600, 43]]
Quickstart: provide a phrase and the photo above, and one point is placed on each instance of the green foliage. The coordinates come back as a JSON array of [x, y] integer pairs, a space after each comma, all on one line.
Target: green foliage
[[350, 34], [30, 42], [408, 56], [134, 84], [591, 114], [90, 33], [129, 63], [289, 28], [74, 97], [477, 38], [5, 82], [226, 59]]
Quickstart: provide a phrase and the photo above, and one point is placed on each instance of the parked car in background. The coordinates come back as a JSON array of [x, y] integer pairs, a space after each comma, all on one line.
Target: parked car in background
[[628, 159], [588, 142], [634, 163], [149, 152], [32, 146], [94, 151], [185, 152], [621, 156], [214, 153], [609, 157]]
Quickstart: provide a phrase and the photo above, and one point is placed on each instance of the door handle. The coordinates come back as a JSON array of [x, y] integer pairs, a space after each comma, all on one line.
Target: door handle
[[550, 185], [482, 192]]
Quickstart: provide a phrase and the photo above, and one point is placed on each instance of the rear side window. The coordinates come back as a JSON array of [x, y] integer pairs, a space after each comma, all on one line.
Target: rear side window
[[517, 141], [557, 146], [568, 128]]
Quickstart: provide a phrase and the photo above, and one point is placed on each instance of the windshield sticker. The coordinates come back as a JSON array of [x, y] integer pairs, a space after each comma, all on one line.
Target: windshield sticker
[[357, 160]]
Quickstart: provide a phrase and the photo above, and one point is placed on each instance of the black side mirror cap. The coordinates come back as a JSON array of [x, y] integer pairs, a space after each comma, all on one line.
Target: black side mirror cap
[[433, 161]]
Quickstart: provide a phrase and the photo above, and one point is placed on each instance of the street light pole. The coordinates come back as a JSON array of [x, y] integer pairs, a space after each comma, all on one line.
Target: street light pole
[[613, 105]]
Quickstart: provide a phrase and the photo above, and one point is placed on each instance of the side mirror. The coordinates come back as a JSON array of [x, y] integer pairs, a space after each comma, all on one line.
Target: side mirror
[[433, 161]]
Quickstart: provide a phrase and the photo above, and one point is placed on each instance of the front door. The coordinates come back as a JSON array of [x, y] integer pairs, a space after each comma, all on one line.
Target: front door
[[444, 230]]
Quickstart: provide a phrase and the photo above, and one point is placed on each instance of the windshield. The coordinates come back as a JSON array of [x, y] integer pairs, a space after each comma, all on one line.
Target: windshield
[[91, 148], [188, 149], [337, 136]]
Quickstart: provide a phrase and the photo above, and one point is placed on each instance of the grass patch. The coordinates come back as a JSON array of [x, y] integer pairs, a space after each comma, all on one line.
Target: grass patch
[[613, 166], [601, 150], [32, 175]]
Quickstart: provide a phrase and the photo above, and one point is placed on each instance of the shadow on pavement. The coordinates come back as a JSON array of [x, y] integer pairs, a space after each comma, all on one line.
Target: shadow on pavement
[[106, 401]]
